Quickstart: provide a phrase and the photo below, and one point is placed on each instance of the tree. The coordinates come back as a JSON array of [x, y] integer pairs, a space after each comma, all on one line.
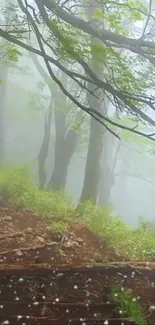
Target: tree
[[95, 145], [66, 133], [9, 55], [130, 92], [129, 158], [66, 139], [44, 149], [109, 160]]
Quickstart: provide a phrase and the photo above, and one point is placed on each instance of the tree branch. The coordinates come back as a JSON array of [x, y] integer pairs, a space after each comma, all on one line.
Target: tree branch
[[121, 98], [83, 25]]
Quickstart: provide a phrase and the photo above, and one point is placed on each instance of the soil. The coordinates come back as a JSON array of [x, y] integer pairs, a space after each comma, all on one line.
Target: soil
[[25, 238], [44, 271]]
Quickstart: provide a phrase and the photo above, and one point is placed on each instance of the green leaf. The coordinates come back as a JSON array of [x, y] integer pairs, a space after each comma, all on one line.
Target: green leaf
[[98, 13], [13, 54]]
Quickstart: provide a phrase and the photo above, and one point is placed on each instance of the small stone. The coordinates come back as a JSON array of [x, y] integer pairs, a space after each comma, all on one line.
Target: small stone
[[79, 240], [22, 239], [7, 218], [41, 239], [28, 231], [70, 244], [106, 322], [19, 252]]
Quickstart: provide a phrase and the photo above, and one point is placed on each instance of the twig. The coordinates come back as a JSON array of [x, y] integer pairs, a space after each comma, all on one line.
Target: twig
[[27, 249]]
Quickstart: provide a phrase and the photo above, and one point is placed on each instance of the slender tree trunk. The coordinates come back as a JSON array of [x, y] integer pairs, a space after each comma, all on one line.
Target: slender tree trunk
[[107, 179], [45, 147], [3, 77], [95, 148], [124, 202], [60, 130], [65, 147], [4, 69], [43, 153]]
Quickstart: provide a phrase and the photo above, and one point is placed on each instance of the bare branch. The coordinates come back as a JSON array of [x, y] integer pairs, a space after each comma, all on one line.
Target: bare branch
[[147, 21], [121, 99]]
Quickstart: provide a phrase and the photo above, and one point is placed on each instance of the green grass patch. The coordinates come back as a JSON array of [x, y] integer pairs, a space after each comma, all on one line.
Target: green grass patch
[[133, 244], [127, 305], [18, 187], [58, 227]]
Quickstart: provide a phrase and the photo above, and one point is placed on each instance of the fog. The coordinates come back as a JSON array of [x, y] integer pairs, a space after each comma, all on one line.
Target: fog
[[25, 104], [132, 194]]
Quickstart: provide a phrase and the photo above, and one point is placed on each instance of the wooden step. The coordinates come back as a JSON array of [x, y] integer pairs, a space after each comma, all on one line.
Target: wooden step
[[30, 320]]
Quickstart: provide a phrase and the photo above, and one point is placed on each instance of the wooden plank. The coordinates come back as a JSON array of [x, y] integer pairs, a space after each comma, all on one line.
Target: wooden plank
[[59, 310], [47, 321]]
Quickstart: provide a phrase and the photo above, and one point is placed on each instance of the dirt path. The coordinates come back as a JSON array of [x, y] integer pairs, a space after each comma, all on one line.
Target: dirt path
[[25, 238]]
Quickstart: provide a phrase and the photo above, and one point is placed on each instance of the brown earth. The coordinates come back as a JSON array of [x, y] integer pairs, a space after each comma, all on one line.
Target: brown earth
[[73, 295], [67, 278], [25, 238]]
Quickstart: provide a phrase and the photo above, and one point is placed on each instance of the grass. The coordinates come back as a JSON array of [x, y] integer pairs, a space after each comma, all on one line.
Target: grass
[[17, 186], [128, 305], [58, 227], [133, 244]]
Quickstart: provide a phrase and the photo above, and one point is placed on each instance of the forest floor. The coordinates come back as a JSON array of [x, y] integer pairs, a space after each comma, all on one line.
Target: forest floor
[[27, 238]]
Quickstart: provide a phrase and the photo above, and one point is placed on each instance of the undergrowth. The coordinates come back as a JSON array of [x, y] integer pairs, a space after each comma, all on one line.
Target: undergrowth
[[133, 244], [127, 305], [17, 186]]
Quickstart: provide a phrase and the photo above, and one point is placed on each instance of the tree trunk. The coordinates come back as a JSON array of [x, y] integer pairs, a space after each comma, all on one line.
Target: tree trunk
[[3, 77], [4, 69], [45, 147], [65, 147], [107, 179], [42, 156], [95, 148]]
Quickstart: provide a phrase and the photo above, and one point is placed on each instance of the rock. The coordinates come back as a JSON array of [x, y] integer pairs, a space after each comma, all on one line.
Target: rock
[[19, 252], [28, 231], [22, 239], [41, 239], [70, 244], [79, 240], [7, 218], [98, 258]]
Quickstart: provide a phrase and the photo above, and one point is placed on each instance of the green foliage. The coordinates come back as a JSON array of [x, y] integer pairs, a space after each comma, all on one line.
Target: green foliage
[[59, 227], [128, 305], [73, 45], [120, 11], [9, 53], [124, 71], [131, 244], [125, 75], [70, 43], [13, 54], [16, 185]]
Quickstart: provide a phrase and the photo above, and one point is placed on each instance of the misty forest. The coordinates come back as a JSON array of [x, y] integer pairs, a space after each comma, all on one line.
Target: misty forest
[[77, 115], [77, 162]]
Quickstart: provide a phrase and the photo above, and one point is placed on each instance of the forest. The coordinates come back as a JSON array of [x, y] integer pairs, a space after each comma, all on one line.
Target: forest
[[77, 136], [89, 108]]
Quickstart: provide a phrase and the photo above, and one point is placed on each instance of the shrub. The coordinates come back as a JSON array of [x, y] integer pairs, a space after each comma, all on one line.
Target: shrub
[[59, 227], [128, 305], [135, 244], [17, 186]]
